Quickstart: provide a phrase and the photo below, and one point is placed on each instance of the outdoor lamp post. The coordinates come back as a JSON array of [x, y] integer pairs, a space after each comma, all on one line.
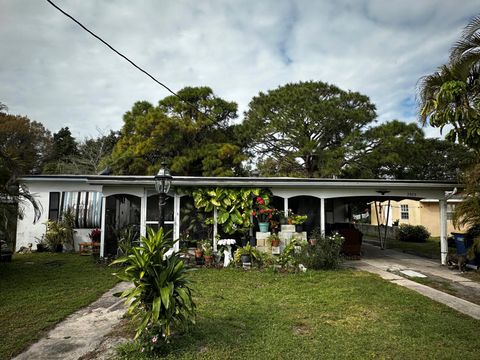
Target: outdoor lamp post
[[163, 180]]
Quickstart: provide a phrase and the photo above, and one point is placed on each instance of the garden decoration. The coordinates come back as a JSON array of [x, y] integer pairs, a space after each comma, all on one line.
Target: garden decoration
[[227, 253]]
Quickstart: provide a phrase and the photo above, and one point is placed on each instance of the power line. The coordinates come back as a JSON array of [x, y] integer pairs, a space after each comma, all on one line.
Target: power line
[[126, 58]]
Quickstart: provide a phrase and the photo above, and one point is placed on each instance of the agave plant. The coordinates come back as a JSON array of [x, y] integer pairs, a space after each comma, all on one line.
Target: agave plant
[[162, 294]]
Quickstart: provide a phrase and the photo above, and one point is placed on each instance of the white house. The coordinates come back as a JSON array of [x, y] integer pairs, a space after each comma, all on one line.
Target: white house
[[110, 202]]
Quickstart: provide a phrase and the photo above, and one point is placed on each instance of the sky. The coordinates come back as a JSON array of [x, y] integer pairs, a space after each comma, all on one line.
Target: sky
[[54, 72]]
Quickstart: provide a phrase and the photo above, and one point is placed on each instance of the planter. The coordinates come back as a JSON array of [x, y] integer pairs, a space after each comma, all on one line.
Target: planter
[[275, 243], [208, 260], [198, 253], [41, 248], [245, 259], [58, 248], [263, 226]]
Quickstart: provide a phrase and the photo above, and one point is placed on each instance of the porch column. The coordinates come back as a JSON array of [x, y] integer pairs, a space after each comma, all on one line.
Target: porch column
[[285, 206], [176, 221], [102, 234], [443, 231], [143, 213], [215, 228], [322, 216]]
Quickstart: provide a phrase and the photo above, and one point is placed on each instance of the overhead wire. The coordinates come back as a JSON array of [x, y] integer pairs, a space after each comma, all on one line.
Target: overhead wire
[[127, 59]]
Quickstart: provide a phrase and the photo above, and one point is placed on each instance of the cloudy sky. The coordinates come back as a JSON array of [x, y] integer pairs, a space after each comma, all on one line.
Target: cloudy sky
[[57, 74]]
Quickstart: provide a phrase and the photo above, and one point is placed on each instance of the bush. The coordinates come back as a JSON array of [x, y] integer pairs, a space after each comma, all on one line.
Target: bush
[[161, 296], [412, 233], [324, 254]]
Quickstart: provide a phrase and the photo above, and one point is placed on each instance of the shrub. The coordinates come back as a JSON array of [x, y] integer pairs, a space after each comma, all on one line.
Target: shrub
[[161, 296], [412, 233], [324, 254]]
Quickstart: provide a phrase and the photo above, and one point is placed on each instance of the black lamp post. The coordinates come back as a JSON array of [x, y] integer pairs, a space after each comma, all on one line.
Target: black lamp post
[[163, 180]]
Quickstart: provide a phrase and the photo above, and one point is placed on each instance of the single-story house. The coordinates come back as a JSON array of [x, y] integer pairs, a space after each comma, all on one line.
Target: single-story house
[[112, 202], [424, 212]]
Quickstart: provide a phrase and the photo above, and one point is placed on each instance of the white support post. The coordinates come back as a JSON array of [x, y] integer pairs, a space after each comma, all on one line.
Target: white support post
[[143, 214], [322, 216], [176, 221], [443, 231], [285, 206], [215, 228], [102, 234]]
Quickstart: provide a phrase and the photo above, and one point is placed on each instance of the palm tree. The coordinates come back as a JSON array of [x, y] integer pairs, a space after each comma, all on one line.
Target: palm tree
[[451, 95]]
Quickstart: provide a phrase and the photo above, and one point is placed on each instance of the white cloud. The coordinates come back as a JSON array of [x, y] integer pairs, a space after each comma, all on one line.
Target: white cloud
[[55, 73]]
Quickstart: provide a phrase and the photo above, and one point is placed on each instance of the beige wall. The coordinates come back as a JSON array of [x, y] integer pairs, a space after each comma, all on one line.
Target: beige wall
[[426, 213]]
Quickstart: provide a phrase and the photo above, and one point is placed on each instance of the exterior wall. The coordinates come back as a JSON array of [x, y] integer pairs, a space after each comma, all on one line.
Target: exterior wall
[[29, 232], [426, 213]]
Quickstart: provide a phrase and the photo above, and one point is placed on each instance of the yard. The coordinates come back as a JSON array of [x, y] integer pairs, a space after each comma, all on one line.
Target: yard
[[39, 290], [316, 315]]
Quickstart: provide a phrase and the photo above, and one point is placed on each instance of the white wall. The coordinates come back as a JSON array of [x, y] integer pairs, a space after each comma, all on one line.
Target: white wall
[[27, 231]]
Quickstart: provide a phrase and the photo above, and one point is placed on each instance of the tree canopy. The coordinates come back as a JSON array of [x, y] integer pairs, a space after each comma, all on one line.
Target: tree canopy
[[308, 125], [190, 141]]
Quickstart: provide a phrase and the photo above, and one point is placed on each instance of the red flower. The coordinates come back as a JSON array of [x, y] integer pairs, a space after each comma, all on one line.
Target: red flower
[[262, 211], [254, 213], [260, 201]]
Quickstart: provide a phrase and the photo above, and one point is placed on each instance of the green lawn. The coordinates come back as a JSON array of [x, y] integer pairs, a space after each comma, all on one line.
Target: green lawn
[[317, 315], [429, 249], [39, 290]]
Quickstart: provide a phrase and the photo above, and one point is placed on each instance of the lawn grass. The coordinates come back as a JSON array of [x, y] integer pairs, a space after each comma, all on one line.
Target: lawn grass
[[429, 249], [317, 315], [39, 290]]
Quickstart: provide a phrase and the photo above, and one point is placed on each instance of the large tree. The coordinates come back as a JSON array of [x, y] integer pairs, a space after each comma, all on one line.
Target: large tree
[[24, 142], [397, 150], [65, 148], [308, 125], [192, 133]]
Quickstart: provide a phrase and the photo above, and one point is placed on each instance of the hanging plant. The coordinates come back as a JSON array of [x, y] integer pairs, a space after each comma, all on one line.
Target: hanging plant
[[234, 206]]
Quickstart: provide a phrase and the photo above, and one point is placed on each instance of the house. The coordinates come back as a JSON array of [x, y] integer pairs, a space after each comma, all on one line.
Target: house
[[113, 202], [424, 212]]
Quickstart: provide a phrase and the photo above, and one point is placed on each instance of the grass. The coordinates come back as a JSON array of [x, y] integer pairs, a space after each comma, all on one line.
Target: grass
[[316, 315], [429, 249], [39, 290]]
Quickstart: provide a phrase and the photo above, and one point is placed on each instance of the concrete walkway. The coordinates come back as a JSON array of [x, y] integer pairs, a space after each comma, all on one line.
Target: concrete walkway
[[82, 332], [386, 262]]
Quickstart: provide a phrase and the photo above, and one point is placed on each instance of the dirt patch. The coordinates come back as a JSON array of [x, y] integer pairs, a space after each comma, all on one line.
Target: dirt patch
[[301, 329]]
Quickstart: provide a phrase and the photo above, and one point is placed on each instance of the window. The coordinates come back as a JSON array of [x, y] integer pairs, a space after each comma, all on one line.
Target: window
[[450, 211], [86, 207], [404, 212], [54, 206]]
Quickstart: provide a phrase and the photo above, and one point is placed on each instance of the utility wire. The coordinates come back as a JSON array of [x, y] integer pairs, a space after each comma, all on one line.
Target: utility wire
[[126, 58]]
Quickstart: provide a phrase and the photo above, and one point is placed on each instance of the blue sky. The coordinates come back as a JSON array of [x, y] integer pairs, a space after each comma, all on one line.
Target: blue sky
[[57, 74]]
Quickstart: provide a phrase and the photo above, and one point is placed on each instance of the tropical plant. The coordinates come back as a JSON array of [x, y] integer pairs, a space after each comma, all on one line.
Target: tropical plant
[[299, 219], [273, 240], [323, 253], [55, 234], [248, 250], [287, 258], [234, 206], [161, 295], [68, 222], [125, 239]]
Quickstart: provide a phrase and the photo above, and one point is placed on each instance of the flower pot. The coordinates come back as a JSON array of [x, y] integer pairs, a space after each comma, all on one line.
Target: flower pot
[[245, 259], [208, 260], [198, 253], [263, 227], [58, 248], [275, 243], [41, 248]]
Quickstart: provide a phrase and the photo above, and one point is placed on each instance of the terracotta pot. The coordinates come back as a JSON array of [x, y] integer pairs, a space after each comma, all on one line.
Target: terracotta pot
[[275, 243], [208, 260], [198, 253]]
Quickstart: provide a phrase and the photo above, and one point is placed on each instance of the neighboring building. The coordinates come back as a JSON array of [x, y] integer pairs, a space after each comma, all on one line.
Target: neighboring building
[[424, 212], [112, 202]]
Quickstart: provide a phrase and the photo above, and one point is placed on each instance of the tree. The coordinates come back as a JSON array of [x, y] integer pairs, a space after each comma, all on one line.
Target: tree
[[64, 148], [25, 143], [451, 95], [192, 142], [396, 150], [308, 124]]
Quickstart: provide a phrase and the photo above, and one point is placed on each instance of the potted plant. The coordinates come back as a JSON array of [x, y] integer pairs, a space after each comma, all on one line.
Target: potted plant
[[55, 235], [298, 220], [41, 246], [273, 240], [95, 235], [263, 213], [246, 254], [207, 253]]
